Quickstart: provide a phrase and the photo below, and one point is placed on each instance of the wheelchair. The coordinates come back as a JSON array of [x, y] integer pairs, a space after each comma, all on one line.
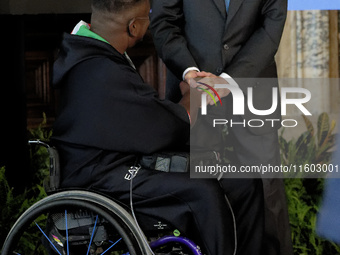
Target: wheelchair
[[82, 222]]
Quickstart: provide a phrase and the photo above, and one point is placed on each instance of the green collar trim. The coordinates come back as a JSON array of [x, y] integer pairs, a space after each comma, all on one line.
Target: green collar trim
[[85, 31]]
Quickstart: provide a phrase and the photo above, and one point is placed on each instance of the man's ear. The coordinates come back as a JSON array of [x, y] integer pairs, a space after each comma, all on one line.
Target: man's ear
[[132, 29]]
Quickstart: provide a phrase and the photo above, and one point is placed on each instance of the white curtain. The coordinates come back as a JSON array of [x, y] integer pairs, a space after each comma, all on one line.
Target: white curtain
[[304, 56]]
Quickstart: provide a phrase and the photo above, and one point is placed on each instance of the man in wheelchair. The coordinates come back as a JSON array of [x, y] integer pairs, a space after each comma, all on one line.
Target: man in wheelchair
[[110, 121]]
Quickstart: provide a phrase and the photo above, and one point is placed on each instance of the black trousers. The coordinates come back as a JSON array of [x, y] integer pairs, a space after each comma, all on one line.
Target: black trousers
[[264, 149], [246, 198], [253, 149], [198, 208]]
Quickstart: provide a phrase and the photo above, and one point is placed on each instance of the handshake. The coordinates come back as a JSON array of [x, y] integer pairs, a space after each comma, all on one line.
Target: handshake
[[204, 82]]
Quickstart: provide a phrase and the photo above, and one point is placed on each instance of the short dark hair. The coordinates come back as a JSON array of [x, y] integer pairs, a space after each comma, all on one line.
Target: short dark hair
[[114, 5]]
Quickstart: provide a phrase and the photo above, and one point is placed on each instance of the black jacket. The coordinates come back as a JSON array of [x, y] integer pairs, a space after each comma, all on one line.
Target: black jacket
[[108, 115]]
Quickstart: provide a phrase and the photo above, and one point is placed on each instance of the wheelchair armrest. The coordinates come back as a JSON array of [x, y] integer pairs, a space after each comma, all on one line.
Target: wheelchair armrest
[[54, 167]]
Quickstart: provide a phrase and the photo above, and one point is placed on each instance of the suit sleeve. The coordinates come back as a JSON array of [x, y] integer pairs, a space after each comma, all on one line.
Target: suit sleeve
[[166, 26], [258, 52]]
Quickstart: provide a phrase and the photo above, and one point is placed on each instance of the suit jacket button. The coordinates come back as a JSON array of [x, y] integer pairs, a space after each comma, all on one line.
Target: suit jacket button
[[219, 70], [226, 46]]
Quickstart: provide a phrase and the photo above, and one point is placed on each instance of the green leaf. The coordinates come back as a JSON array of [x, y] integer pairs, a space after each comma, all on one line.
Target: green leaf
[[323, 128], [309, 125]]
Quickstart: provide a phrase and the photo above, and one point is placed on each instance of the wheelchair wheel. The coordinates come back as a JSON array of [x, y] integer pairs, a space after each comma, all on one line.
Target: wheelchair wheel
[[75, 222]]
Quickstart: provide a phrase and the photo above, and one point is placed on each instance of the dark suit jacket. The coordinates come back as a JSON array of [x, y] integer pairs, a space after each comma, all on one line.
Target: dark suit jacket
[[242, 43]]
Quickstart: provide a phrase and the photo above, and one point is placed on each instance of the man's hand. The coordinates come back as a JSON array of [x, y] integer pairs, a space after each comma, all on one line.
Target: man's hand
[[207, 81], [190, 75], [189, 93], [191, 100], [184, 87]]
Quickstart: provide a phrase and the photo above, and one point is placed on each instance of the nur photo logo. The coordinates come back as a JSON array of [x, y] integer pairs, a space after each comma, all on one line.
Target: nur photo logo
[[204, 98], [278, 99]]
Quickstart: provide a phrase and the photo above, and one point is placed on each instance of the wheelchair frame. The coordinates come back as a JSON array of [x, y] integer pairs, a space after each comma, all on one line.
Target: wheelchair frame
[[122, 220]]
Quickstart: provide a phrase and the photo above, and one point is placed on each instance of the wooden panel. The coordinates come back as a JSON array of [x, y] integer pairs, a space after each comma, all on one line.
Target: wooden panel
[[149, 65], [39, 95]]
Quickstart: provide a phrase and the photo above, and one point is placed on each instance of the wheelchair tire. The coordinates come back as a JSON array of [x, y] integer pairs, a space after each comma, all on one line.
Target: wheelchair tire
[[27, 234]]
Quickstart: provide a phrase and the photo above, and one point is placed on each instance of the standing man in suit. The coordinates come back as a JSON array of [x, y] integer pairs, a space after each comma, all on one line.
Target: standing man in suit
[[233, 39]]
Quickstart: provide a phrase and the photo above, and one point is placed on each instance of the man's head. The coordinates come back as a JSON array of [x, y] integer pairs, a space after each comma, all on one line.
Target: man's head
[[121, 22], [114, 6]]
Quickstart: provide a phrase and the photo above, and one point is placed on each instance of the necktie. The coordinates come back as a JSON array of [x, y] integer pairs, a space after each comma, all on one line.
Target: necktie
[[227, 2]]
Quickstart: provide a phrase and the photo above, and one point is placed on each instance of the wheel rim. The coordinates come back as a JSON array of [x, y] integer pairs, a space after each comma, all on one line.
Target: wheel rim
[[38, 215]]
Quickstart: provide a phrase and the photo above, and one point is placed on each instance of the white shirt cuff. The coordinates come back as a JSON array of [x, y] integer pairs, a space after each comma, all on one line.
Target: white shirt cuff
[[189, 69]]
